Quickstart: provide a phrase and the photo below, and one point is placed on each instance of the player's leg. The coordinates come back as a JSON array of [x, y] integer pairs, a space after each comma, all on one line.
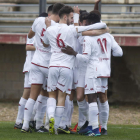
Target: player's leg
[[22, 102], [36, 84], [104, 106], [64, 82]]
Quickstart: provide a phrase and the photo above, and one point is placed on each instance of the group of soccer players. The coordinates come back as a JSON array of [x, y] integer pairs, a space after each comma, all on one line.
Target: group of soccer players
[[68, 50]]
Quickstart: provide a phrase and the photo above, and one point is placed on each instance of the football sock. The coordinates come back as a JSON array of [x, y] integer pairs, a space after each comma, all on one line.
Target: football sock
[[84, 108], [41, 108], [58, 115], [65, 114], [93, 115], [51, 106], [82, 119], [99, 108], [27, 113], [21, 107], [104, 114]]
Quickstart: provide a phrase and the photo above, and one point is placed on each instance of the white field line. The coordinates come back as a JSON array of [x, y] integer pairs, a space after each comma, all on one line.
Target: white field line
[[124, 127]]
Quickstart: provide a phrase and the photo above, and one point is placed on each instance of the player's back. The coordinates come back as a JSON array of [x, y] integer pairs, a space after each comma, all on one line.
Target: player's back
[[61, 36]]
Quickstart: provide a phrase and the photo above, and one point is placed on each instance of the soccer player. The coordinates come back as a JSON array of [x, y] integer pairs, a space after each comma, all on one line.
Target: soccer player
[[39, 68], [61, 65], [97, 55]]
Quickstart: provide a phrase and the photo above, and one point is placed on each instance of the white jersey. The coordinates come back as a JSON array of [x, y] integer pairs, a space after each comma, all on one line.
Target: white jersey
[[63, 35], [42, 54], [97, 54], [29, 55], [60, 36]]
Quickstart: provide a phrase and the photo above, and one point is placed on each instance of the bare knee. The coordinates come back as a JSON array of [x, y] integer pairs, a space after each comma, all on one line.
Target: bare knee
[[103, 97]]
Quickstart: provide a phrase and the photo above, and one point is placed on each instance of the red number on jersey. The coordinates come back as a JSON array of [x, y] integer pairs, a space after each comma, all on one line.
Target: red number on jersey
[[42, 34], [101, 44], [60, 42]]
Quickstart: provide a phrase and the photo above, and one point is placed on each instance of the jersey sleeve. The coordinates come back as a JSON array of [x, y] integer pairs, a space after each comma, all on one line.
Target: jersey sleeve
[[45, 37], [84, 58], [116, 49], [34, 25], [30, 41], [91, 27]]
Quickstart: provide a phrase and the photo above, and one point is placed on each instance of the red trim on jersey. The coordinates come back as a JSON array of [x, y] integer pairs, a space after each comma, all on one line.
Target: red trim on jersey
[[25, 72], [36, 84], [103, 77], [85, 53], [60, 66], [60, 84], [30, 44], [27, 87], [39, 65]]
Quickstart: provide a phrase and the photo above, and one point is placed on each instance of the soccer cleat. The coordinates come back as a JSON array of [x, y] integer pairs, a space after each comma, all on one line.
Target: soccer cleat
[[41, 130], [32, 124], [26, 131], [85, 131], [100, 128], [103, 131], [74, 130], [51, 125], [84, 126], [96, 132], [18, 126], [66, 130]]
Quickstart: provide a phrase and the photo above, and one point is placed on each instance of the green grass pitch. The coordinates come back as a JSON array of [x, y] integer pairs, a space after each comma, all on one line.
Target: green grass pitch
[[115, 132]]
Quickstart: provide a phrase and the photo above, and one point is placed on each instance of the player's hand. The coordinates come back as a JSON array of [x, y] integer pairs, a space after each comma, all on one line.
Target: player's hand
[[76, 9], [68, 50], [107, 29], [97, 1], [47, 22]]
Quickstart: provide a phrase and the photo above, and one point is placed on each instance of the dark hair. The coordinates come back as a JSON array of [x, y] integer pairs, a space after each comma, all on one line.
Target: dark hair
[[43, 14], [93, 18], [50, 8], [65, 10], [83, 16], [82, 11], [57, 7], [96, 12]]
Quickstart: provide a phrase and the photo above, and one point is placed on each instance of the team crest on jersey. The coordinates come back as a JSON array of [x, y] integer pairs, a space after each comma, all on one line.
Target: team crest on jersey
[[85, 85]]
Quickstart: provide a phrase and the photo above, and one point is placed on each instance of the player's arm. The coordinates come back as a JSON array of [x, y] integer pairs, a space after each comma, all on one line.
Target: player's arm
[[116, 49], [45, 39], [76, 15], [96, 4], [30, 47], [95, 32], [31, 34]]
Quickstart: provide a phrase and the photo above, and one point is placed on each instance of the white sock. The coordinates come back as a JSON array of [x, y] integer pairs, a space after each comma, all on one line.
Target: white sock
[[51, 105], [82, 119], [83, 106], [99, 108], [58, 115], [104, 114], [21, 107], [93, 115], [65, 115], [33, 117], [27, 113], [41, 108]]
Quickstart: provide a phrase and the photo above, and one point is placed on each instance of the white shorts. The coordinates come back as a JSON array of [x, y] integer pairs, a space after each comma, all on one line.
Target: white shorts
[[44, 86], [38, 74], [96, 85], [26, 80], [75, 78], [61, 78]]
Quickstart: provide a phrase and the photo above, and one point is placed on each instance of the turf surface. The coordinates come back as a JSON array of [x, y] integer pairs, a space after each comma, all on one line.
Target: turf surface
[[115, 132]]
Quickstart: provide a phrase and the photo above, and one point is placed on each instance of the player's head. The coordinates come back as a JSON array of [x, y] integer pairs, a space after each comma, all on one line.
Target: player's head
[[83, 18], [49, 11], [93, 18], [43, 14], [96, 12], [56, 8], [82, 11], [66, 14]]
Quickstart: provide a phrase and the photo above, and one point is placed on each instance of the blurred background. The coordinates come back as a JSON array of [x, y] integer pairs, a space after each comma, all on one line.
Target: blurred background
[[121, 16]]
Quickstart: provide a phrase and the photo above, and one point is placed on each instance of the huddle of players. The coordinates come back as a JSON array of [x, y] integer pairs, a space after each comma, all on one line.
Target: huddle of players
[[65, 60]]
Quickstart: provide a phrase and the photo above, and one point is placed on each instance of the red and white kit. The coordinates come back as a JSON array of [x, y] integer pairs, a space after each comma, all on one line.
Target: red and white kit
[[41, 59], [97, 55]]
